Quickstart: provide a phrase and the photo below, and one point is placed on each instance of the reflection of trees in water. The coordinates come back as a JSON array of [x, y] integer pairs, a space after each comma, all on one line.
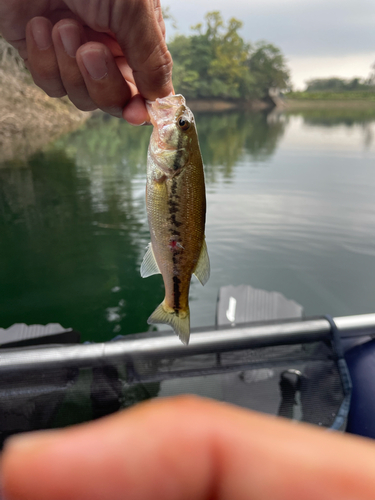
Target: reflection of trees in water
[[109, 153], [108, 141], [226, 138], [59, 264], [368, 135], [349, 117], [333, 117]]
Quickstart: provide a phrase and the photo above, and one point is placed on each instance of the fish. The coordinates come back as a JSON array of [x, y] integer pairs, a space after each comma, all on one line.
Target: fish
[[176, 210]]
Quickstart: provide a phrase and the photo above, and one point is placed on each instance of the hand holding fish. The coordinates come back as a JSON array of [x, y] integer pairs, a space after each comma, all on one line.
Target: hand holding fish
[[189, 448], [107, 54]]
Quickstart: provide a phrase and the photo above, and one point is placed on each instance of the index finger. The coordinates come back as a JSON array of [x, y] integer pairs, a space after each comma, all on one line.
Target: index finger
[[188, 448]]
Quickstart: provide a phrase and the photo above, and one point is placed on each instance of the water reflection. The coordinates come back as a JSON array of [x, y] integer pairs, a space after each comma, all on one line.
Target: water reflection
[[226, 139], [337, 116], [73, 223], [59, 262]]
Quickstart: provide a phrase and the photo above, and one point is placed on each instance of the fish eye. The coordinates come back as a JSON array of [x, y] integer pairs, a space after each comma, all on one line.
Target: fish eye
[[183, 124]]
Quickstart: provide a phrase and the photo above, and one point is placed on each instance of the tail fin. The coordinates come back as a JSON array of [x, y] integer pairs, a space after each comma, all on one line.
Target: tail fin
[[179, 321]]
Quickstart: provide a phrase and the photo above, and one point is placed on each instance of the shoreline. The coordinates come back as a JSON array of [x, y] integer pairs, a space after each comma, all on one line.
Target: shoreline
[[219, 105], [29, 118], [301, 104]]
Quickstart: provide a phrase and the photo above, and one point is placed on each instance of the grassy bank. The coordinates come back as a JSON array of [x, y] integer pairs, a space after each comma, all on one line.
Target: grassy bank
[[352, 100], [355, 95], [351, 105]]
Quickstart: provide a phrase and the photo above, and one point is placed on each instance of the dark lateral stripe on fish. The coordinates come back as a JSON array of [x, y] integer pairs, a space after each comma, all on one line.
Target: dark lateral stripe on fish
[[175, 221], [173, 210], [173, 207], [176, 293], [179, 151]]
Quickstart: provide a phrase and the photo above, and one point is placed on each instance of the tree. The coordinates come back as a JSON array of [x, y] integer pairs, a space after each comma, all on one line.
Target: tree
[[335, 84], [211, 62], [229, 64], [268, 69], [215, 61]]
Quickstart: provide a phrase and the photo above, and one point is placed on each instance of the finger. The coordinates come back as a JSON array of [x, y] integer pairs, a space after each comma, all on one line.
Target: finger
[[104, 38], [41, 57], [104, 81], [159, 16], [68, 35], [135, 112], [137, 28], [185, 448]]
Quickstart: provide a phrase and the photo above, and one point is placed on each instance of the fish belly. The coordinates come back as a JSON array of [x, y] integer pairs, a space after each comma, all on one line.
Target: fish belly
[[176, 212]]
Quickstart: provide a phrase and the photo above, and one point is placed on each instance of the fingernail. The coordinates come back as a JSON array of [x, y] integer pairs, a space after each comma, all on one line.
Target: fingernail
[[95, 63], [41, 34], [137, 125], [70, 37]]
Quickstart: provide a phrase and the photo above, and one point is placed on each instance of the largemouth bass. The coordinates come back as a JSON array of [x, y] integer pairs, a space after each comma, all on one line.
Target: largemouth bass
[[176, 209]]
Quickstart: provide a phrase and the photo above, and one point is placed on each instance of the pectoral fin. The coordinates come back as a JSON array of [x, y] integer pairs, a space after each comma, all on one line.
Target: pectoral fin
[[202, 270], [149, 265]]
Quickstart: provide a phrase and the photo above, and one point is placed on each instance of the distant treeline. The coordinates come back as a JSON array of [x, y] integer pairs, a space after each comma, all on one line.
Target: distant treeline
[[335, 84], [216, 62], [338, 89]]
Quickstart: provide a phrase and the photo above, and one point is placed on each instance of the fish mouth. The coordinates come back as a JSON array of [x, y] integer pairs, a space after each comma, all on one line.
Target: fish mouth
[[166, 143], [164, 110]]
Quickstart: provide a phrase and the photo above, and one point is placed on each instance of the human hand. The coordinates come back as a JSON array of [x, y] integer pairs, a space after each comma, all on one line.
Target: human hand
[[188, 448], [107, 54]]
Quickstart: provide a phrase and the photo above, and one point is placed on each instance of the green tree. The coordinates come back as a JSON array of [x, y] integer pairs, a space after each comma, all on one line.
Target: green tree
[[212, 61], [268, 69], [334, 84], [215, 61], [228, 66]]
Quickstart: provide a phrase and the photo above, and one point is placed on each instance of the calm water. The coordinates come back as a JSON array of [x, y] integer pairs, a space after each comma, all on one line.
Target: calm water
[[291, 208]]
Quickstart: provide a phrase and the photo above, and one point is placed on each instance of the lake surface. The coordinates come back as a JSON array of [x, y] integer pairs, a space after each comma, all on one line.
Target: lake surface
[[291, 208]]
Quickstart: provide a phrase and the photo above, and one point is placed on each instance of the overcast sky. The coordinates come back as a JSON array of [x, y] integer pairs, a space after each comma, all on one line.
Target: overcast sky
[[319, 38]]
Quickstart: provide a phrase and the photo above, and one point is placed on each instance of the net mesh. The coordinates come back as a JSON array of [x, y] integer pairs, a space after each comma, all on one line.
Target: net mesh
[[298, 381]]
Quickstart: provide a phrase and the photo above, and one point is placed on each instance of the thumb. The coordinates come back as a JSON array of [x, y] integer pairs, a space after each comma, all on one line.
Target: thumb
[[138, 27], [184, 448]]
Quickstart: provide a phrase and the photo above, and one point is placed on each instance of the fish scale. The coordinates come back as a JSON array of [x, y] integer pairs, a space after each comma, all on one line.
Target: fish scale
[[176, 209]]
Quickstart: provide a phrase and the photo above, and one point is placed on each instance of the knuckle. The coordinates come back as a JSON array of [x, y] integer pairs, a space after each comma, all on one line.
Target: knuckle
[[100, 14], [159, 61], [51, 85], [43, 72], [188, 403], [159, 65], [74, 82], [58, 92], [112, 110], [89, 106]]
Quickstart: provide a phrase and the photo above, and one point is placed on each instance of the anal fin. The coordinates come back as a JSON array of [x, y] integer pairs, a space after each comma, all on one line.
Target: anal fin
[[149, 265], [202, 270]]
